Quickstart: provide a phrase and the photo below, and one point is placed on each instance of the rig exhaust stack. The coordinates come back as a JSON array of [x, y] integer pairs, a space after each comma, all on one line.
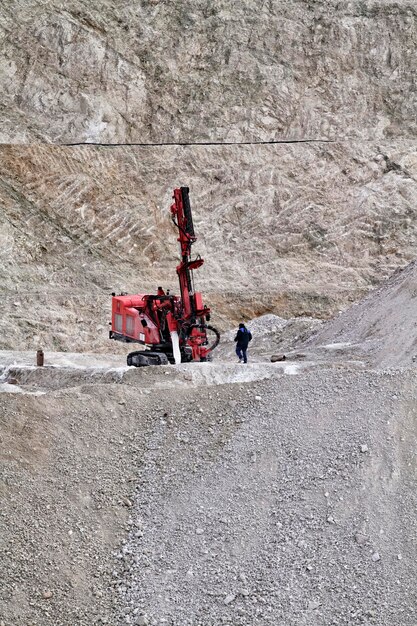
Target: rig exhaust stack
[[173, 328]]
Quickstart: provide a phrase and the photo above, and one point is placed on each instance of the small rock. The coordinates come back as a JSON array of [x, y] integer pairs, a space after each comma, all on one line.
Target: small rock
[[277, 357], [360, 539], [399, 557], [199, 531], [376, 557], [313, 605], [142, 620], [127, 502], [229, 598], [258, 398], [330, 519], [364, 448], [47, 594]]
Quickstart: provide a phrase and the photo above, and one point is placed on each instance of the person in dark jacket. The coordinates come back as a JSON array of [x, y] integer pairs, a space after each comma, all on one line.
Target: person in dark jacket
[[243, 337]]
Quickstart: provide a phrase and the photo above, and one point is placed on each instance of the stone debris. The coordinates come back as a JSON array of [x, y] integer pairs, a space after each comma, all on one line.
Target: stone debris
[[229, 598], [278, 357], [366, 328], [360, 539], [214, 530], [313, 605]]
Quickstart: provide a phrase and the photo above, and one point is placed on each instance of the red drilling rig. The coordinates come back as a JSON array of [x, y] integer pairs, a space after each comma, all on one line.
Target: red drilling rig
[[174, 329]]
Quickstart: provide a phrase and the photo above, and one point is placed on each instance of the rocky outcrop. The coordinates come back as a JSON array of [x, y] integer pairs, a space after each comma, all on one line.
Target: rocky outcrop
[[297, 228], [290, 229], [198, 70]]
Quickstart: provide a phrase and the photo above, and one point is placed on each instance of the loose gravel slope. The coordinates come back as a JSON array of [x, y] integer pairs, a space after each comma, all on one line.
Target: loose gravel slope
[[287, 501], [381, 328], [282, 502]]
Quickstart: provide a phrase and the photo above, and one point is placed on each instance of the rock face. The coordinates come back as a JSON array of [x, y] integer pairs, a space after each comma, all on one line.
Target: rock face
[[290, 229], [199, 70], [293, 229]]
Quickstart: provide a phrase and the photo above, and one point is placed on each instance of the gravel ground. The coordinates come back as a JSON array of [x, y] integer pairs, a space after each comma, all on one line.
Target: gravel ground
[[69, 461], [283, 501]]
